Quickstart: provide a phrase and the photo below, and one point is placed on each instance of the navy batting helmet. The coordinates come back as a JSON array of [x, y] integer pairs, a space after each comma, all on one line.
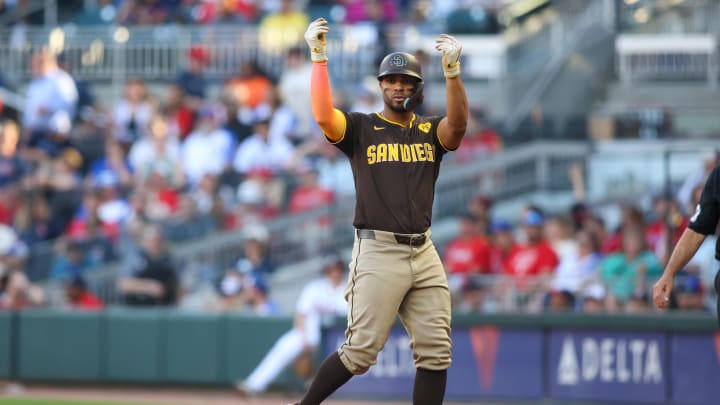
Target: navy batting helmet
[[400, 63]]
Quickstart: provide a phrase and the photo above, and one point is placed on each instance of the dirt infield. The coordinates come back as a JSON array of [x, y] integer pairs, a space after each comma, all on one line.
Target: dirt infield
[[175, 396]]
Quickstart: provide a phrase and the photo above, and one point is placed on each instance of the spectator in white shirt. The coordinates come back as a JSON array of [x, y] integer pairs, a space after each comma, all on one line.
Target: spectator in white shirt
[[261, 153], [132, 114], [208, 149], [157, 146], [50, 91], [294, 88]]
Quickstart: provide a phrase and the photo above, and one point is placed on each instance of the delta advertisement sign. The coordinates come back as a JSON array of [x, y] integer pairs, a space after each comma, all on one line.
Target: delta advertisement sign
[[608, 366], [488, 362], [577, 365]]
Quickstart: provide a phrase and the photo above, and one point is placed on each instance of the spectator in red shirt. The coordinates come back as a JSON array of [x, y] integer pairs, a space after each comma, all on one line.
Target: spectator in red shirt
[[470, 251], [79, 297], [536, 257], [502, 246], [308, 195], [533, 259]]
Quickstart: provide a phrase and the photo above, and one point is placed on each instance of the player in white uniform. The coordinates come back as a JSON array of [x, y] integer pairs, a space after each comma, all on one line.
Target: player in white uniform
[[320, 299]]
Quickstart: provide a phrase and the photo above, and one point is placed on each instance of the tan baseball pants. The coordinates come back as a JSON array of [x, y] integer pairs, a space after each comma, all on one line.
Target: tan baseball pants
[[387, 279]]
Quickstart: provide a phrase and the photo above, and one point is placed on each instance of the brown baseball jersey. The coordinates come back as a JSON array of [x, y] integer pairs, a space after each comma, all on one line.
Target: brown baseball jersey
[[395, 170]]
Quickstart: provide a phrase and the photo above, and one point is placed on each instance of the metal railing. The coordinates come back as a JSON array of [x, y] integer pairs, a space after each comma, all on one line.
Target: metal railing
[[297, 238]]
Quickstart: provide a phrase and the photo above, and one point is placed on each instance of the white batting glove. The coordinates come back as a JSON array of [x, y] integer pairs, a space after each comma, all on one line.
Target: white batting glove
[[450, 48], [315, 38]]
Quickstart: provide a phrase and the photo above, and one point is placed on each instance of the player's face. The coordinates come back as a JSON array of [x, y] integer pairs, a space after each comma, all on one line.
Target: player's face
[[395, 89]]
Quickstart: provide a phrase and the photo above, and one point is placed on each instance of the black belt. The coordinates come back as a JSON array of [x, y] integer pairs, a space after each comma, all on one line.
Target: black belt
[[414, 240]]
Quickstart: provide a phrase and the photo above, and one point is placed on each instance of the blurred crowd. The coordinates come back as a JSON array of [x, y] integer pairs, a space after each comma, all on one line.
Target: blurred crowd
[[545, 260], [466, 16], [97, 180]]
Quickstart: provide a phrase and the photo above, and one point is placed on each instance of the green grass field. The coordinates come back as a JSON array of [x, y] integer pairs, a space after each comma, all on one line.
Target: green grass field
[[21, 401]]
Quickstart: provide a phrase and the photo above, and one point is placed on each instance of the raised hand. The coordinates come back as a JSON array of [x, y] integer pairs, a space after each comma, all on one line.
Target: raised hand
[[451, 49], [315, 38]]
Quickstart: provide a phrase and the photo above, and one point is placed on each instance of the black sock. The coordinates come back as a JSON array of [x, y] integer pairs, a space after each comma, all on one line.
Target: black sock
[[331, 375], [429, 388]]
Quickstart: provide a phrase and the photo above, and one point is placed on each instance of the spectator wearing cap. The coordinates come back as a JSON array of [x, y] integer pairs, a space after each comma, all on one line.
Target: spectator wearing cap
[[192, 78], [473, 297], [51, 91], [536, 256], [689, 293], [532, 263], [593, 297], [502, 245], [208, 149], [80, 297]]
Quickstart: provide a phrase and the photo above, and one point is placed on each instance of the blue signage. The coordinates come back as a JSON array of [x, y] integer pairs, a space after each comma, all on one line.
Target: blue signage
[[487, 363], [608, 366], [696, 369]]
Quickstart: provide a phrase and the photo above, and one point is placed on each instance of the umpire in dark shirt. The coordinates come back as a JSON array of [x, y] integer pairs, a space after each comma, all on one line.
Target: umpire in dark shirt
[[704, 222], [151, 278]]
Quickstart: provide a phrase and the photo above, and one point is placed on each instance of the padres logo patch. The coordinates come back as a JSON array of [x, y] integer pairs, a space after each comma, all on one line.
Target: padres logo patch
[[398, 60], [425, 127]]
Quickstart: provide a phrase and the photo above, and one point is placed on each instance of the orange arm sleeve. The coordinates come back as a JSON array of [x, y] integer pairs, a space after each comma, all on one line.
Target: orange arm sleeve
[[330, 119]]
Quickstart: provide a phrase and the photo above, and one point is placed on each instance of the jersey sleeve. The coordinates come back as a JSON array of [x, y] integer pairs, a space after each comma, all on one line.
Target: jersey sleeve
[[441, 149], [705, 218], [347, 143]]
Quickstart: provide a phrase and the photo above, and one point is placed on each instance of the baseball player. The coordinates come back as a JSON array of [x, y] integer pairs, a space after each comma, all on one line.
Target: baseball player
[[395, 269], [319, 300], [703, 223]]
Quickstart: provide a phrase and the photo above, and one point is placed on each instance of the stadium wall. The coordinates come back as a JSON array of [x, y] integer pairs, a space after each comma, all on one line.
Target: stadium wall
[[650, 359]]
